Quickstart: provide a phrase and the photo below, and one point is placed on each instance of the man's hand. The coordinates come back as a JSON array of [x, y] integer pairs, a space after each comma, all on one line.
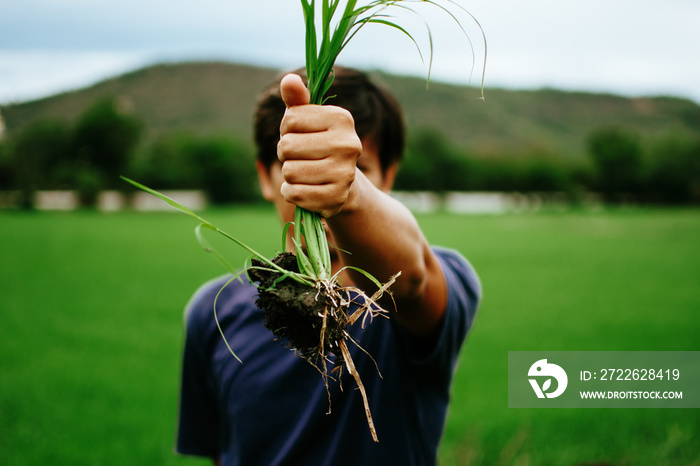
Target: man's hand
[[318, 149]]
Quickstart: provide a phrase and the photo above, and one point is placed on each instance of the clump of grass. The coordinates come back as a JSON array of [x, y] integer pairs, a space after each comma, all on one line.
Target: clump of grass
[[324, 42], [322, 50], [304, 302]]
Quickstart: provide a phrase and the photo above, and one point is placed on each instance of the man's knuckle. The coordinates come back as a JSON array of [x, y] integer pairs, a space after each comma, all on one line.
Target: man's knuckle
[[347, 179], [294, 197], [286, 147], [344, 115], [290, 119], [287, 171]]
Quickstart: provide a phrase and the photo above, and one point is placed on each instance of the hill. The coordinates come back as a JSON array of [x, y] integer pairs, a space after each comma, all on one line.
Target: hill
[[214, 97]]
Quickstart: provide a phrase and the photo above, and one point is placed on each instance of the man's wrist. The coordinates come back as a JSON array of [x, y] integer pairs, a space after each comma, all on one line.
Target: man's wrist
[[356, 195]]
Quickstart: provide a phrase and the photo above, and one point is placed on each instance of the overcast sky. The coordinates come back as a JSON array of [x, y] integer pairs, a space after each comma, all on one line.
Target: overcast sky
[[642, 47]]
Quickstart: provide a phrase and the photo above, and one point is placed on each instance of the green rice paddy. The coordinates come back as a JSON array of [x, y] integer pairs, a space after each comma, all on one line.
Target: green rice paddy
[[91, 330]]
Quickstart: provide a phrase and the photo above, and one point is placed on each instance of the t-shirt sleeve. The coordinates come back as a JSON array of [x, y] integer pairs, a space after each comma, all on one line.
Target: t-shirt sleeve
[[198, 426], [463, 298]]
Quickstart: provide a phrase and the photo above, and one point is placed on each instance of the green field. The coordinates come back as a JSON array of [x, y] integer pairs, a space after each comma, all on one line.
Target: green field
[[91, 335]]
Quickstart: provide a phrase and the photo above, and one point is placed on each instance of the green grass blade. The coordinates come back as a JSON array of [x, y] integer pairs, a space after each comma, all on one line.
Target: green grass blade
[[166, 199], [303, 262], [216, 317], [311, 43], [285, 230], [316, 243], [204, 224], [363, 272], [395, 26], [471, 44], [210, 249]]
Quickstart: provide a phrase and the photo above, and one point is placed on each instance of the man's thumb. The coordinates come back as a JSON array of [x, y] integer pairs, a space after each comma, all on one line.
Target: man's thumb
[[293, 91]]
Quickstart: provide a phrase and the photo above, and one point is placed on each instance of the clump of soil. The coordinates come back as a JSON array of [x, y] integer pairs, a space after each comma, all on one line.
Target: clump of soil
[[307, 319]]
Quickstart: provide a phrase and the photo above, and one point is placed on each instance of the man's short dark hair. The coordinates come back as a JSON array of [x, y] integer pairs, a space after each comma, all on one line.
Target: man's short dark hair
[[376, 112]]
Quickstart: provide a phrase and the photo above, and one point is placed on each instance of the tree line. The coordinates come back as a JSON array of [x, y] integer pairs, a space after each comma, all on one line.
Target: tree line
[[107, 140], [619, 166]]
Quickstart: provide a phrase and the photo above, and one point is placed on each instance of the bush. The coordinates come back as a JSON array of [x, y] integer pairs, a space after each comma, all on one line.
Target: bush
[[545, 175], [431, 163], [530, 173], [38, 158], [221, 166], [164, 164], [617, 155], [6, 168], [224, 168], [674, 176]]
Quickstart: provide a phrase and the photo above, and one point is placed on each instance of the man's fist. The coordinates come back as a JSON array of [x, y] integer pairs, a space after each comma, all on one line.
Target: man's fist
[[318, 149]]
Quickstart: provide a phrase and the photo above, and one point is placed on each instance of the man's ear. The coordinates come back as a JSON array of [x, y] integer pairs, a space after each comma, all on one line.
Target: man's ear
[[389, 177], [265, 181]]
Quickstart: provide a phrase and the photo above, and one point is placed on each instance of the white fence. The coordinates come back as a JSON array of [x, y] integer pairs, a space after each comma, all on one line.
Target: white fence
[[108, 201], [419, 202], [487, 202]]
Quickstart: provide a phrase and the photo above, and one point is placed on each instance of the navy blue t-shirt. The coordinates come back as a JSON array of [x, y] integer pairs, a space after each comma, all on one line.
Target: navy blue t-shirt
[[273, 409]]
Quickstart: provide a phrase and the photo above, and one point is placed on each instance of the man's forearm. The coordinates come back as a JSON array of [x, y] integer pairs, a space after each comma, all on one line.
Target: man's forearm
[[384, 238]]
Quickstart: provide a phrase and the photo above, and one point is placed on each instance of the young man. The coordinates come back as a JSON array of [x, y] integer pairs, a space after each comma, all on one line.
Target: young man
[[339, 160]]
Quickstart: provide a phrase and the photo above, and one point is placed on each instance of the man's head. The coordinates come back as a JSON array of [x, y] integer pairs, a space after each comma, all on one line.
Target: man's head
[[377, 114]]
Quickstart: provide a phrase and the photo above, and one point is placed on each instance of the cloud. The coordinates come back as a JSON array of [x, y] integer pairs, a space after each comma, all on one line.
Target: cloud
[[629, 47], [28, 75]]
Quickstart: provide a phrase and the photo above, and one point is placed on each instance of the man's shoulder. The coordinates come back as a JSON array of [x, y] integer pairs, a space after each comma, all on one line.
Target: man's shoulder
[[451, 255], [464, 290], [457, 267]]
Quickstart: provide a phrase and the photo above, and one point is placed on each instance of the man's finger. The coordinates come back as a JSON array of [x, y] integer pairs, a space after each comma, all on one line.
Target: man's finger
[[293, 91]]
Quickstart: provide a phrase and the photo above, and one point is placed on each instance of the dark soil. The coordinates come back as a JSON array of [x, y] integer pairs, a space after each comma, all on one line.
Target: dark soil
[[295, 312], [311, 320]]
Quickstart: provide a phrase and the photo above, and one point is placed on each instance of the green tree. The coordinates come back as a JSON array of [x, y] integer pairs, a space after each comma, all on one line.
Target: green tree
[[104, 138], [221, 166], [617, 156], [164, 163], [7, 176], [675, 170], [546, 175], [224, 168], [432, 164], [38, 158]]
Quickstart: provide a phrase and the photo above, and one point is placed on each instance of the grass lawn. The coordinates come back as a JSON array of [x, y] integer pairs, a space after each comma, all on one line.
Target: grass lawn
[[91, 307]]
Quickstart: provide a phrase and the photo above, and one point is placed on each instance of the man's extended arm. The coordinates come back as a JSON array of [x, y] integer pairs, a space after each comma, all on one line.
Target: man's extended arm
[[319, 150]]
